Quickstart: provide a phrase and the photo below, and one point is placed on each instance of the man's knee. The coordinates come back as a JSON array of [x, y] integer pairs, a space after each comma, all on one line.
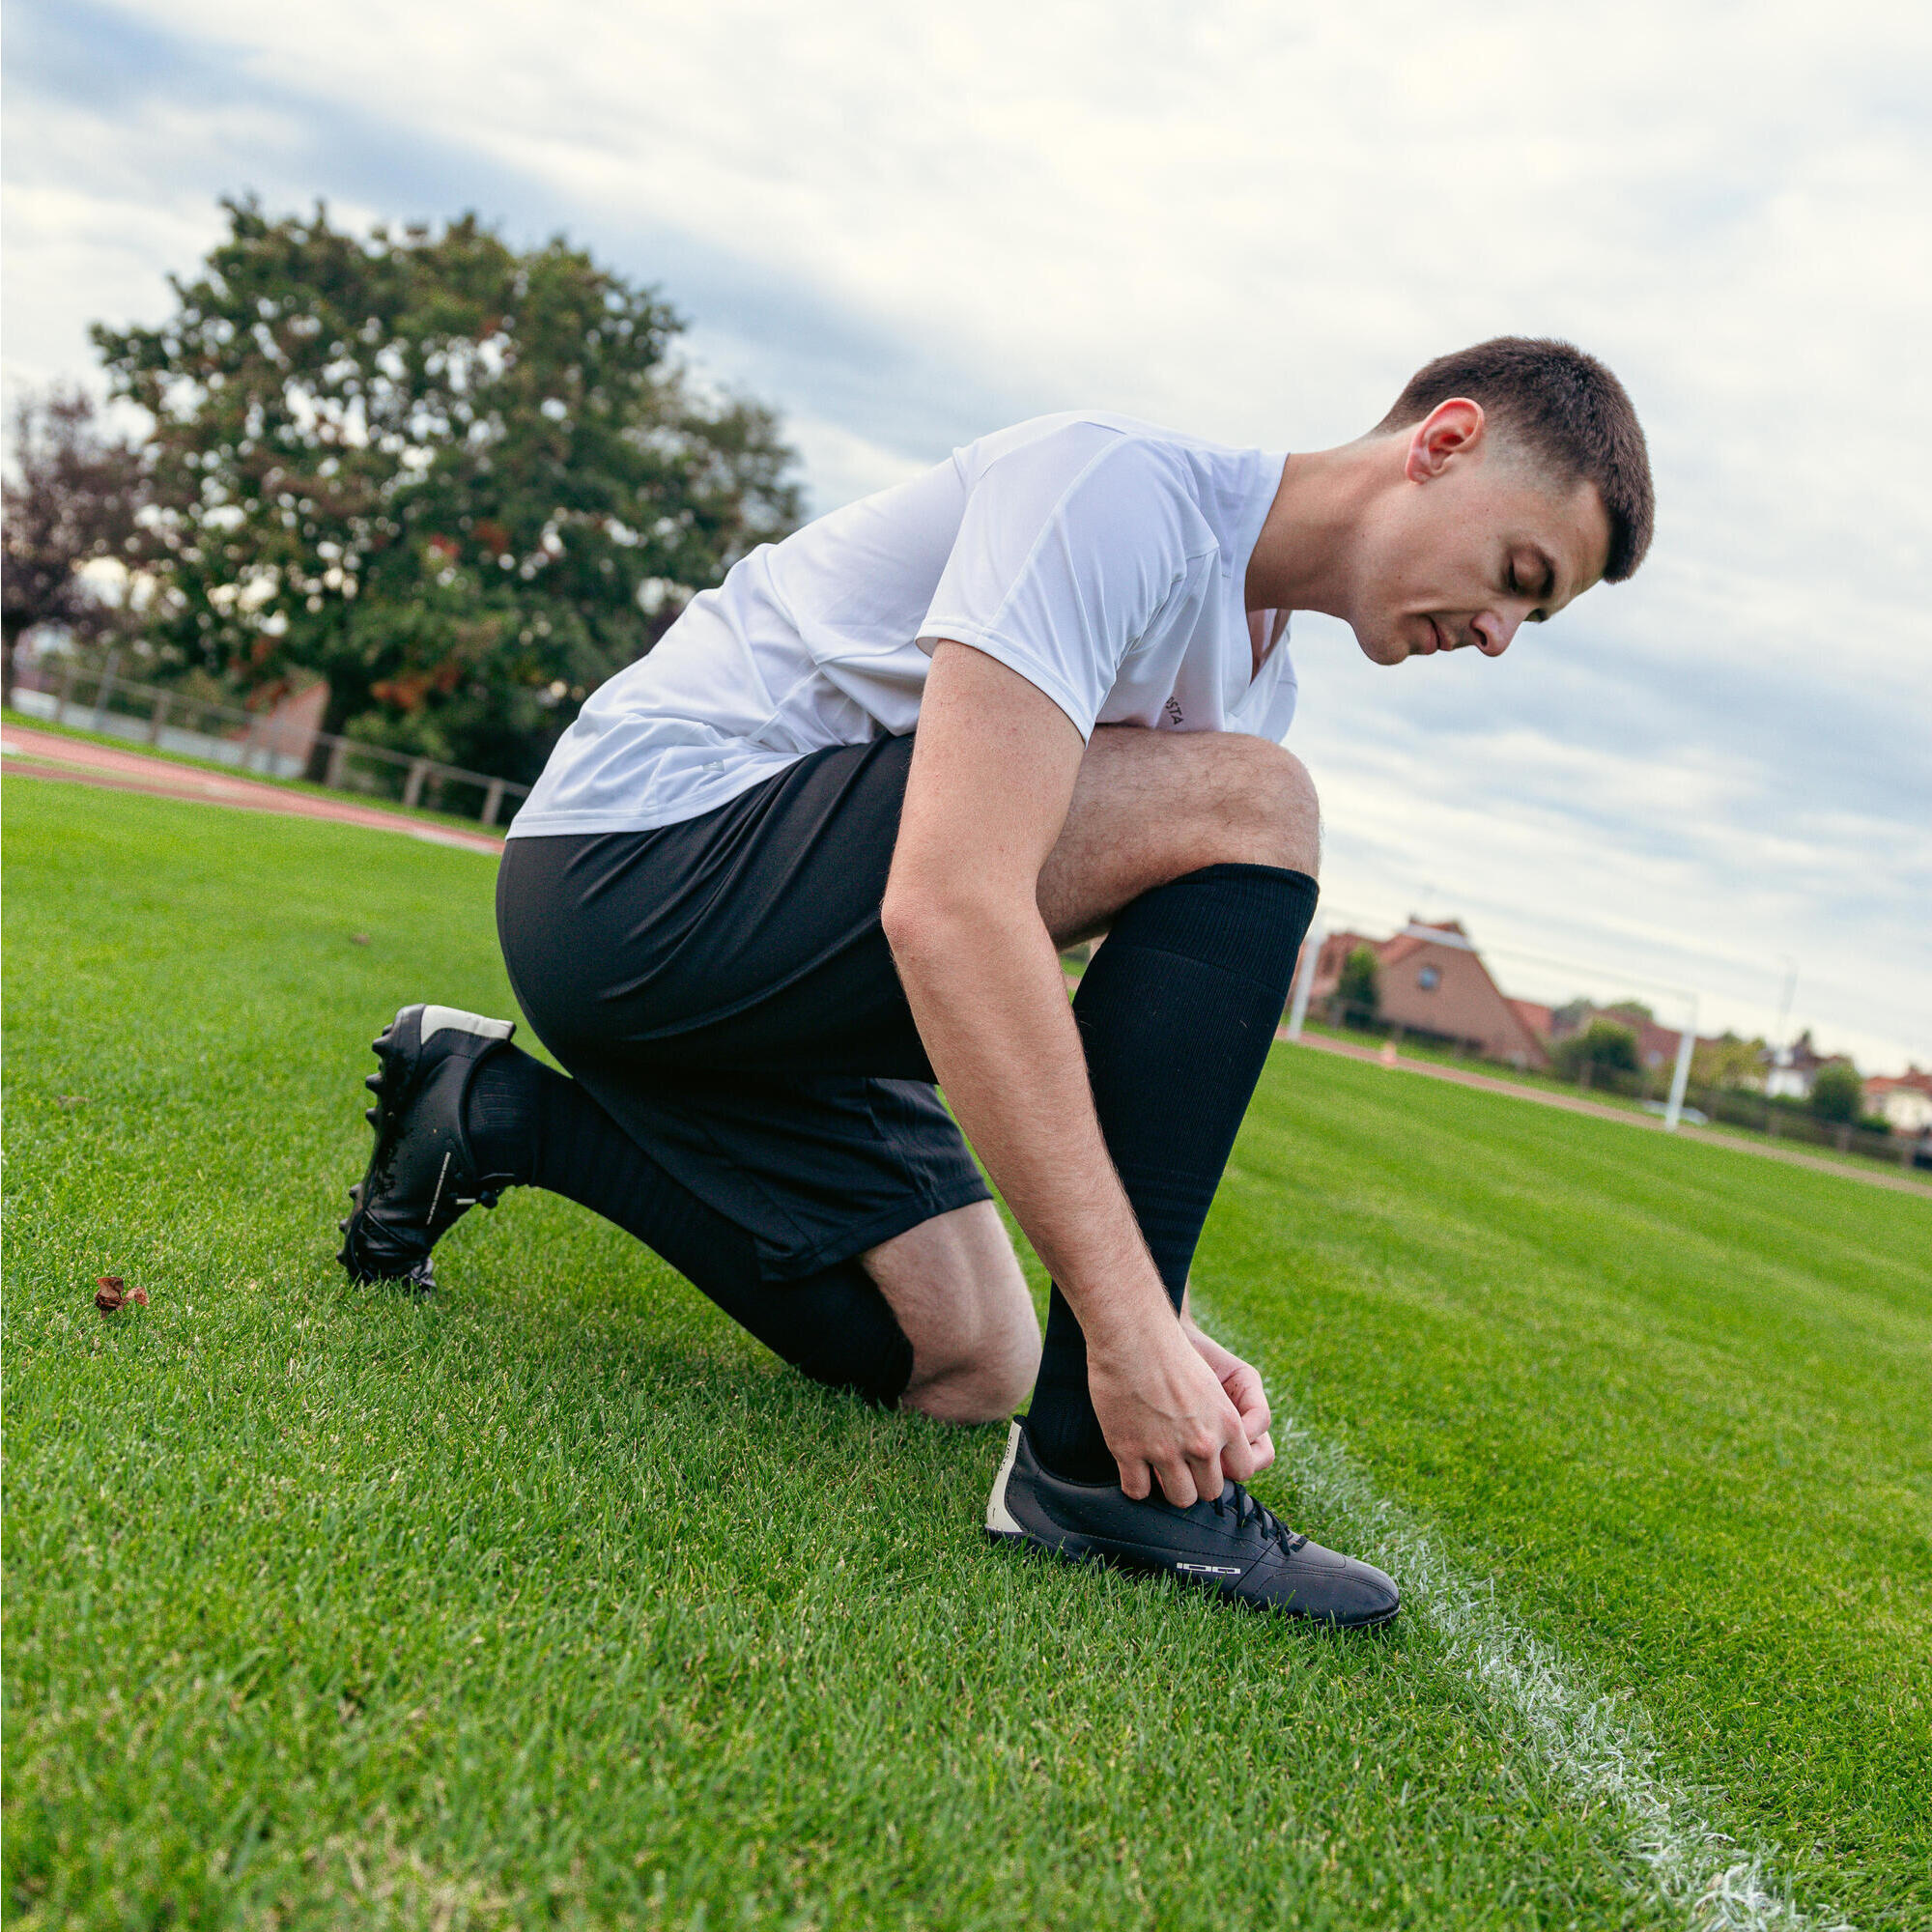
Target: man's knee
[[955, 1287], [981, 1375], [1262, 804]]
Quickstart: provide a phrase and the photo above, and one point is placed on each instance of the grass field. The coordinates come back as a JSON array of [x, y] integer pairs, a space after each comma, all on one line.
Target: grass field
[[558, 1601], [1887, 1163]]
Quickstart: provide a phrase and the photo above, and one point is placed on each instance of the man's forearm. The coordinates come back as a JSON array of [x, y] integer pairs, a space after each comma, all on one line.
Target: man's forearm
[[992, 781], [984, 984]]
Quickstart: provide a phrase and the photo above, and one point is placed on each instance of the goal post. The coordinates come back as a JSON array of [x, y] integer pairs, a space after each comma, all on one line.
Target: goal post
[[1680, 1078], [1304, 978]]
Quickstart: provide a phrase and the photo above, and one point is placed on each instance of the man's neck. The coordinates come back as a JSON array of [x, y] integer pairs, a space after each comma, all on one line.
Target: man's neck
[[1302, 558]]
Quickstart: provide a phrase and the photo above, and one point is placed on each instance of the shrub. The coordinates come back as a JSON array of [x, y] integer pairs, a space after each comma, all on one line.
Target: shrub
[[1359, 990], [1838, 1094], [1601, 1047]]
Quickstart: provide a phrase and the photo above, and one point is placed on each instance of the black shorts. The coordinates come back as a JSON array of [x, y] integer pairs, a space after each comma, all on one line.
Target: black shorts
[[723, 989]]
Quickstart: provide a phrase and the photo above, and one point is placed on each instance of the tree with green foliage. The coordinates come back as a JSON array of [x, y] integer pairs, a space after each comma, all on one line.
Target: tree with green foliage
[[1838, 1094], [1359, 990], [1729, 1061], [464, 483], [1604, 1046]]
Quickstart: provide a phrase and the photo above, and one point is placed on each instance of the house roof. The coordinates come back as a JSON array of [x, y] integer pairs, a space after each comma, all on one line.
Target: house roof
[[1800, 1056], [1913, 1080], [1539, 1019], [1418, 935]]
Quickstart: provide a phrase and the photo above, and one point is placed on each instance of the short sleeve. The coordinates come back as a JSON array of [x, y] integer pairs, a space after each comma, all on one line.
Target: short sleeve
[[1067, 550]]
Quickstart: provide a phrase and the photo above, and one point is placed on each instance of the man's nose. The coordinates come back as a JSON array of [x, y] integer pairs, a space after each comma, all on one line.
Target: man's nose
[[1493, 631]]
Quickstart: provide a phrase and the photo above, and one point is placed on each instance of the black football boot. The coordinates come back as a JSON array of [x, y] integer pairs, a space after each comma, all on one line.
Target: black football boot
[[422, 1176], [1232, 1545]]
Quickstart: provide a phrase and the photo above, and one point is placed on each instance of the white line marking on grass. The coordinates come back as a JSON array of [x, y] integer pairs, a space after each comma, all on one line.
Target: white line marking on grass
[[1601, 1752]]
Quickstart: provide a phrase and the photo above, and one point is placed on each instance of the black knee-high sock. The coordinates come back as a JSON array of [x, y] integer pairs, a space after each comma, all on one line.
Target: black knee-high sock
[[1176, 1013], [544, 1130]]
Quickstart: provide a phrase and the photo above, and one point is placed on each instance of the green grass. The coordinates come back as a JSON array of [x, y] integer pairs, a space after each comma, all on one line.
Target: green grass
[[1720, 1132], [558, 1602]]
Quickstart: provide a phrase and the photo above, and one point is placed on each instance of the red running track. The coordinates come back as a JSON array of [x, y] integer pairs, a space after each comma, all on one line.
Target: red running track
[[47, 754]]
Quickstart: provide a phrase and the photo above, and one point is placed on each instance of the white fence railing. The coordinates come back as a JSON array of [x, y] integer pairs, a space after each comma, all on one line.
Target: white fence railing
[[257, 741]]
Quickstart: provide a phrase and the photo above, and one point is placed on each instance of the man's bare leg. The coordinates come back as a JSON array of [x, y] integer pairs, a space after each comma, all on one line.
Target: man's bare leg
[[1149, 807], [955, 1285]]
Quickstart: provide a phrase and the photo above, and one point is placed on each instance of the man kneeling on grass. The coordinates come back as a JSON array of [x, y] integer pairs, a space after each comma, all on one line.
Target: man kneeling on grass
[[821, 849]]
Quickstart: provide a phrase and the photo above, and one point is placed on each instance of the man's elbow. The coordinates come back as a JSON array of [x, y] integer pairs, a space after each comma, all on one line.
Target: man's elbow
[[931, 919], [915, 920]]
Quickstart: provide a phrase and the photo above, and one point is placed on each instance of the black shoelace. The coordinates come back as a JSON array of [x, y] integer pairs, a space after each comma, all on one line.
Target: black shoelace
[[1248, 1511]]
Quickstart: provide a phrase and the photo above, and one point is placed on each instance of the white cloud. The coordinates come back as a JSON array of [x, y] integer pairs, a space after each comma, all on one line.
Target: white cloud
[[1252, 221]]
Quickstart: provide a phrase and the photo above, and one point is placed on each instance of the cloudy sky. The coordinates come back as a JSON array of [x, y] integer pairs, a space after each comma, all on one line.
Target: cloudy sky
[[906, 226]]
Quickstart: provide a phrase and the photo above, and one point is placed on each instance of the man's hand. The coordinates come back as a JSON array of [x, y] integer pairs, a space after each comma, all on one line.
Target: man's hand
[[1243, 1385], [1168, 1416]]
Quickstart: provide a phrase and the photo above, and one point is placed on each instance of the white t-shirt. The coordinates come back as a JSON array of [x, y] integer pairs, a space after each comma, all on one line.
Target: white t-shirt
[[1102, 559]]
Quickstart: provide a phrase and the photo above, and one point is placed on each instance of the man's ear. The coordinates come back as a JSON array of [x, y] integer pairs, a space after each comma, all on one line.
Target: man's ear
[[1451, 429]]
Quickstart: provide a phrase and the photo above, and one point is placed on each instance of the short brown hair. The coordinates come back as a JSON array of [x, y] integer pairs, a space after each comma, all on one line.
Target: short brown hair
[[1568, 409]]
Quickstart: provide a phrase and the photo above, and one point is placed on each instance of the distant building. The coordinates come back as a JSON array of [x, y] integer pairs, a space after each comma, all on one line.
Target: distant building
[[290, 729], [1539, 1019], [1905, 1099], [1790, 1070], [1438, 989]]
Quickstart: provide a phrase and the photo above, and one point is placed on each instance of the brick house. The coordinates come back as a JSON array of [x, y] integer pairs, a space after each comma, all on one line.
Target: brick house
[[1438, 989], [1539, 1019]]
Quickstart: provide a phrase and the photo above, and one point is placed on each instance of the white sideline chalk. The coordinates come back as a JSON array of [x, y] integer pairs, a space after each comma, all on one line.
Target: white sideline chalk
[[1601, 1749]]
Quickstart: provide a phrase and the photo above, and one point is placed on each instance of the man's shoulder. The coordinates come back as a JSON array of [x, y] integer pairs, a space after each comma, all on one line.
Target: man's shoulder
[[1096, 466], [1091, 431]]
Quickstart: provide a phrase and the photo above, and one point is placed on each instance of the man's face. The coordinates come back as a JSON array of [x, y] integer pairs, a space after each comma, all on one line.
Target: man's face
[[1473, 543]]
